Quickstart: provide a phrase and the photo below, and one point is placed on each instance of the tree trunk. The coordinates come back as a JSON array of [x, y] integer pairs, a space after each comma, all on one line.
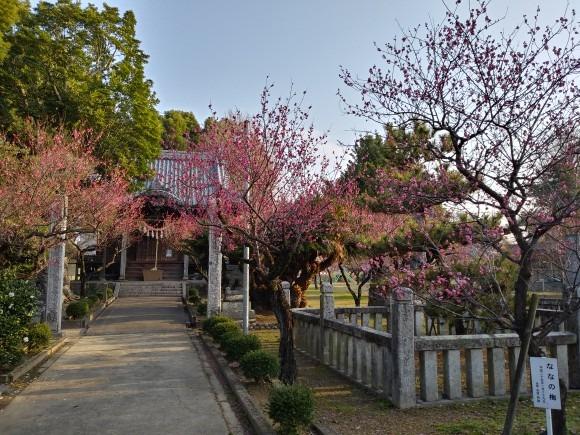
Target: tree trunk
[[283, 314], [559, 415], [355, 296], [525, 335], [521, 291]]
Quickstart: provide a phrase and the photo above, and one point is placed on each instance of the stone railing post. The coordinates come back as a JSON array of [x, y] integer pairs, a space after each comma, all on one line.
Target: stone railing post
[[326, 312], [286, 291], [403, 348], [573, 326]]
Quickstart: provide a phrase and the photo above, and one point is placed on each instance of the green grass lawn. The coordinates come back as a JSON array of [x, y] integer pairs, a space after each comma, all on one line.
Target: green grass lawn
[[345, 407], [342, 298]]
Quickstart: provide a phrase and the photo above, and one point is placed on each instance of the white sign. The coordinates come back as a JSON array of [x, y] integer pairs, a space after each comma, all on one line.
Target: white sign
[[545, 386]]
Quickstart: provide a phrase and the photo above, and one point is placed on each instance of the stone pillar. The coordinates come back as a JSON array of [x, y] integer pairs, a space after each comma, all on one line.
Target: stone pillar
[[54, 287], [103, 271], [214, 275], [246, 292], [475, 372], [428, 367], [573, 326], [326, 301], [326, 312], [286, 291], [496, 371], [452, 374], [419, 322], [185, 267], [403, 348], [55, 273], [123, 261]]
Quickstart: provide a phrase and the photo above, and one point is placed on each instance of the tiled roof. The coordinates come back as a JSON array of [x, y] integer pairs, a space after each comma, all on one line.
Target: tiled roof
[[171, 170]]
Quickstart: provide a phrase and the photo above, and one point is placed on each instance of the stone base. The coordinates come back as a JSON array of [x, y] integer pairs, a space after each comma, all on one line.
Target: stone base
[[234, 309]]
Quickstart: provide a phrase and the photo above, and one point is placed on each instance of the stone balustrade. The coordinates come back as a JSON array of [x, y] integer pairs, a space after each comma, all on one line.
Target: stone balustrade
[[379, 348]]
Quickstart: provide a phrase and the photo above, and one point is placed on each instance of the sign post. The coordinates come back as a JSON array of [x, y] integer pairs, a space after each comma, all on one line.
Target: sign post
[[545, 387]]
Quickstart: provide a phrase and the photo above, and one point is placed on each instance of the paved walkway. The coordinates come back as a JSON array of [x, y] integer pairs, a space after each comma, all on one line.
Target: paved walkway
[[136, 372]]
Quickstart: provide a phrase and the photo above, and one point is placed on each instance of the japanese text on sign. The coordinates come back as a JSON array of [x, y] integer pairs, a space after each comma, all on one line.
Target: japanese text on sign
[[545, 386]]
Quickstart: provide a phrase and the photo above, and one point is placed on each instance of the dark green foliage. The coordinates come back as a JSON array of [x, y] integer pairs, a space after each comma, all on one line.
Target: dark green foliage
[[101, 293], [202, 308], [259, 365], [222, 328], [10, 11], [372, 153], [92, 300], [76, 65], [237, 347], [77, 310], [193, 296], [292, 407], [18, 300], [180, 129], [226, 338], [39, 335], [208, 324]]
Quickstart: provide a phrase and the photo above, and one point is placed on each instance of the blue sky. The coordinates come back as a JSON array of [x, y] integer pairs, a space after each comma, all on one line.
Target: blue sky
[[221, 52]]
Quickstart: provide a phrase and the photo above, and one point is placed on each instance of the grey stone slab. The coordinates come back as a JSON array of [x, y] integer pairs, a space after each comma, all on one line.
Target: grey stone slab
[[496, 371], [474, 372], [452, 374], [428, 364]]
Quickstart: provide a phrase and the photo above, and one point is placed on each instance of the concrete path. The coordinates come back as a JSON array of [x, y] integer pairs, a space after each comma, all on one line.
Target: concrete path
[[136, 372]]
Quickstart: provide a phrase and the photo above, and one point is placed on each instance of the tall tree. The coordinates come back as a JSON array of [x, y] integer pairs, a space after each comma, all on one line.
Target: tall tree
[[273, 194], [503, 109], [11, 10], [80, 66], [37, 171], [180, 129]]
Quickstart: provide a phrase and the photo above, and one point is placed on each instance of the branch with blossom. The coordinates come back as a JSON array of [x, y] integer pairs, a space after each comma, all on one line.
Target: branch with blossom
[[503, 109]]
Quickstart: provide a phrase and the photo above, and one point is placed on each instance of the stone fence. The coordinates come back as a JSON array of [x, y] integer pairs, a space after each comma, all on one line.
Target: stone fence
[[378, 348]]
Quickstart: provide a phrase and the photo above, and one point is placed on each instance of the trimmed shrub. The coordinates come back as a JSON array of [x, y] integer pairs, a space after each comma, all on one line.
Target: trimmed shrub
[[208, 324], [193, 295], [237, 347], [259, 365], [39, 335], [223, 328], [101, 293], [92, 300], [202, 308], [228, 336], [292, 407], [77, 310], [18, 301]]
